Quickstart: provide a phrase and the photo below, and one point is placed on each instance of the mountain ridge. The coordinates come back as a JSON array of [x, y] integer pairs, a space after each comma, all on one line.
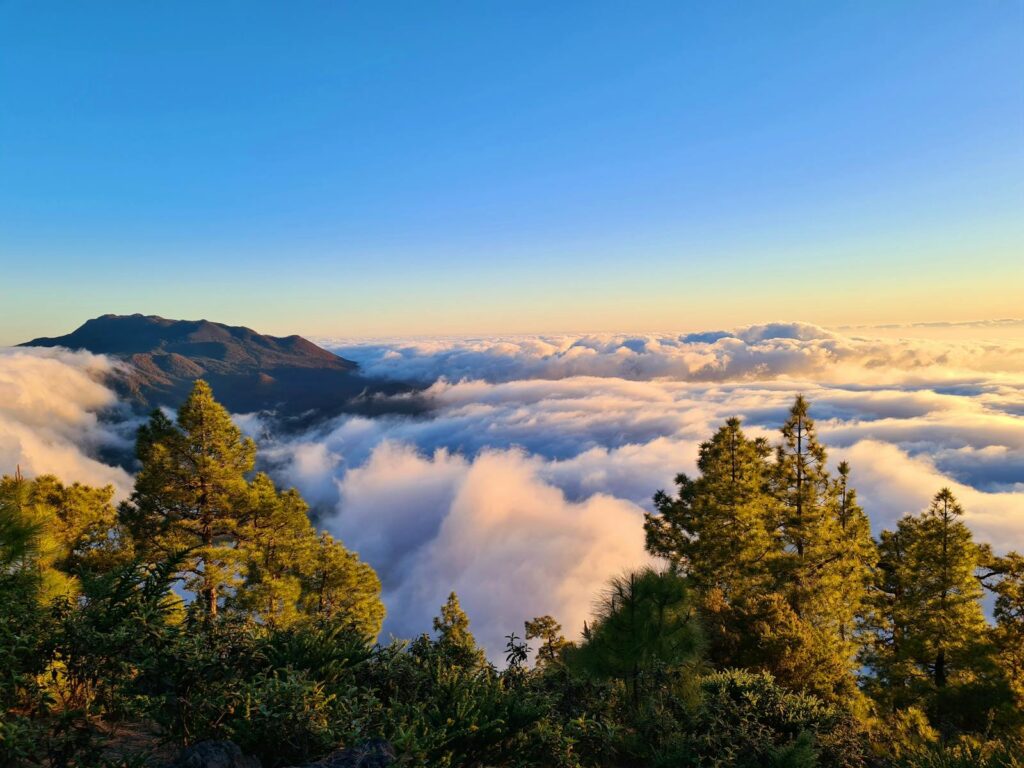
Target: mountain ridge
[[248, 371]]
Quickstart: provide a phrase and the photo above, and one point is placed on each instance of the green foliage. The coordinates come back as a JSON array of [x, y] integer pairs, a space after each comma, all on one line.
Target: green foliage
[[251, 547], [111, 634], [23, 619], [552, 642], [455, 643], [1008, 636], [780, 555], [720, 529], [931, 644], [645, 621], [275, 540], [19, 533], [827, 552], [335, 585], [284, 717], [191, 493], [967, 755], [84, 525], [746, 719], [763, 632], [739, 654], [35, 548]]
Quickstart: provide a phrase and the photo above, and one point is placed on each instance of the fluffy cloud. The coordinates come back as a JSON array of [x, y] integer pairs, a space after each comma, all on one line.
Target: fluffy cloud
[[891, 483], [492, 528], [524, 485], [50, 406], [521, 498], [541, 453], [750, 353]]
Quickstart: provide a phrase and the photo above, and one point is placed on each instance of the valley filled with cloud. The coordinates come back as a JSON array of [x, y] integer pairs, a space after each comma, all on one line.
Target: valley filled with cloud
[[525, 482]]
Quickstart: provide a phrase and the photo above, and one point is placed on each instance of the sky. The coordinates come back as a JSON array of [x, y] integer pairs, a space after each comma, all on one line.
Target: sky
[[401, 168]]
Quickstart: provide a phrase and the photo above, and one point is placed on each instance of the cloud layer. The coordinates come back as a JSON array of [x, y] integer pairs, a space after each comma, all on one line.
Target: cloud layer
[[524, 486], [50, 406], [749, 353]]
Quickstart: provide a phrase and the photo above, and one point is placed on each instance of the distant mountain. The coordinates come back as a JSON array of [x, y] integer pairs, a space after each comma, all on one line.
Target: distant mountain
[[248, 371]]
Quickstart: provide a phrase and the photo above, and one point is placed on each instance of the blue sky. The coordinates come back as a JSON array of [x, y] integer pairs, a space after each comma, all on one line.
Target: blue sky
[[414, 168]]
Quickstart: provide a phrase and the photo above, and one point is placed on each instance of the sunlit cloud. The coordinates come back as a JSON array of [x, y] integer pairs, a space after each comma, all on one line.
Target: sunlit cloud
[[604, 420], [50, 406], [524, 485]]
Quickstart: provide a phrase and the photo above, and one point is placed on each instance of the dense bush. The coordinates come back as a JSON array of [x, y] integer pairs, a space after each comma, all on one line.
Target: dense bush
[[746, 719]]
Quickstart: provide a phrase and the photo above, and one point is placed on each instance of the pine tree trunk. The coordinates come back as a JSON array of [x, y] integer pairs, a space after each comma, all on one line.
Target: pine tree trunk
[[210, 590]]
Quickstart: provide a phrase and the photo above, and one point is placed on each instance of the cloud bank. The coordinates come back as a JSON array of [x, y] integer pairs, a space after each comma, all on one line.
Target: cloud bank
[[50, 406], [524, 486], [750, 353]]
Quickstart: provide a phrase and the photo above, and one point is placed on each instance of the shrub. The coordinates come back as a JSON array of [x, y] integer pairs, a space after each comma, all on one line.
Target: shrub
[[747, 719], [284, 718]]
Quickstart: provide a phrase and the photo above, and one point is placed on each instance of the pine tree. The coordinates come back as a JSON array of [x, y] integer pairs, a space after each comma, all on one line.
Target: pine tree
[[720, 527], [780, 554], [191, 492], [292, 574], [945, 589], [801, 486], [251, 547], [454, 640], [549, 632], [32, 550], [889, 619], [644, 623], [336, 585], [276, 542], [83, 523], [931, 647], [1008, 634], [20, 537], [855, 556], [828, 551]]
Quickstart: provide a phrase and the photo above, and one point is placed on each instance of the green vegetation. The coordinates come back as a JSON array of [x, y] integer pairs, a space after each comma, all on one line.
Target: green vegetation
[[777, 633]]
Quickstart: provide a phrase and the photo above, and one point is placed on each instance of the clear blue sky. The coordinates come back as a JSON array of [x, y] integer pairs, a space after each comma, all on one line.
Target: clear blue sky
[[431, 167]]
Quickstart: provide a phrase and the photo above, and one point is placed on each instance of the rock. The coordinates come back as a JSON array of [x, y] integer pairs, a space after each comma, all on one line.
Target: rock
[[374, 753], [214, 754]]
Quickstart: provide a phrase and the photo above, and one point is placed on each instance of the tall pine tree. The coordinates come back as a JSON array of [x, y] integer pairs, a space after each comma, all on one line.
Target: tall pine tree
[[1008, 634], [337, 586], [719, 529], [945, 589], [191, 492], [828, 551], [932, 646]]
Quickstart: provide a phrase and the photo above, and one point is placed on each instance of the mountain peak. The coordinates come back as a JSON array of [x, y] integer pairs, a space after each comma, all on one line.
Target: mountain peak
[[213, 343], [248, 371]]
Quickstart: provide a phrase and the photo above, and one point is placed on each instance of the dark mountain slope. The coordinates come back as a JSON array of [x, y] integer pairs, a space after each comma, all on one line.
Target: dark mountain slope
[[248, 371]]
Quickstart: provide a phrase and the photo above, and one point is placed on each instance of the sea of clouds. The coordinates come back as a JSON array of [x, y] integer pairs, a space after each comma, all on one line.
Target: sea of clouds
[[524, 485]]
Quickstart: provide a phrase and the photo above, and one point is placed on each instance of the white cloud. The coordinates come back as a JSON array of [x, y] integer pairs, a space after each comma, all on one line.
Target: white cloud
[[891, 483], [523, 488], [586, 428], [753, 352], [50, 401], [489, 527]]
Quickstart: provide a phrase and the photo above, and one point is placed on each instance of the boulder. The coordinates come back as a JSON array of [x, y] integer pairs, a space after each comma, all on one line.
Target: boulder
[[374, 753], [214, 754]]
